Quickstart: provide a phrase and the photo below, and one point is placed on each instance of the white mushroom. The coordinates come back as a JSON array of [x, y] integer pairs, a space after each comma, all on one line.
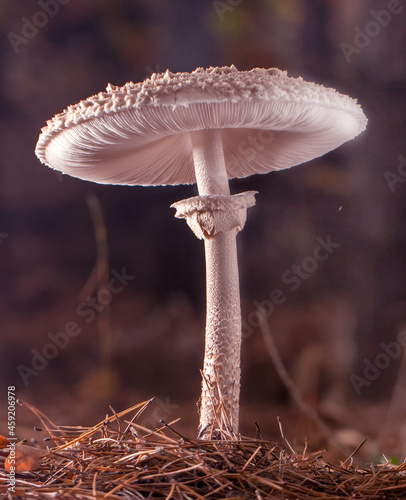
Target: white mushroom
[[207, 127]]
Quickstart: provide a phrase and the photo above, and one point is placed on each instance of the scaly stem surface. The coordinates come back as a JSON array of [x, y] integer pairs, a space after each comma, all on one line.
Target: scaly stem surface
[[219, 411]]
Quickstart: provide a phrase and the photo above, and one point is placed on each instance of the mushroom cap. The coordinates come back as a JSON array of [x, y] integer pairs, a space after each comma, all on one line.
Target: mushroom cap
[[139, 134]]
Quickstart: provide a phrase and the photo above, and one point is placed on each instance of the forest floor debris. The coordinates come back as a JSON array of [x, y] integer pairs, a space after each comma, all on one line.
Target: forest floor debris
[[120, 459]]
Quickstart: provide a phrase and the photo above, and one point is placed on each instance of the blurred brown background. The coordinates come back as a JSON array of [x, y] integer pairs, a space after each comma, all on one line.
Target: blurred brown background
[[148, 341]]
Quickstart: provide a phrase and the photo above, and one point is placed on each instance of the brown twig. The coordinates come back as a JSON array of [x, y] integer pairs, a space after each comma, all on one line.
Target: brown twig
[[290, 386]]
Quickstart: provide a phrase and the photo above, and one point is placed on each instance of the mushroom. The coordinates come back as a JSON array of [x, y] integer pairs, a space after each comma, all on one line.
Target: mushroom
[[204, 127]]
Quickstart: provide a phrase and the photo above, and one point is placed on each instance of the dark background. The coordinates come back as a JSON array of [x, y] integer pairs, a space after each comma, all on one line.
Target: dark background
[[149, 340]]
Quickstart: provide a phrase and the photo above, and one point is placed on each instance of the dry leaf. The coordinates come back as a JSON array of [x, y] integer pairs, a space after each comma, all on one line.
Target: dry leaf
[[24, 458], [4, 442]]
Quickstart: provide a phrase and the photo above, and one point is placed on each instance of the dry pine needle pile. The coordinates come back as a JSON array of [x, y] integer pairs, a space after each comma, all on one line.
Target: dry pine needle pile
[[119, 459]]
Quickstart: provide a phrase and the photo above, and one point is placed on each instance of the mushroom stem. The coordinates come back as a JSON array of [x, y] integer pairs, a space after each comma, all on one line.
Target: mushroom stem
[[219, 410], [210, 167]]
